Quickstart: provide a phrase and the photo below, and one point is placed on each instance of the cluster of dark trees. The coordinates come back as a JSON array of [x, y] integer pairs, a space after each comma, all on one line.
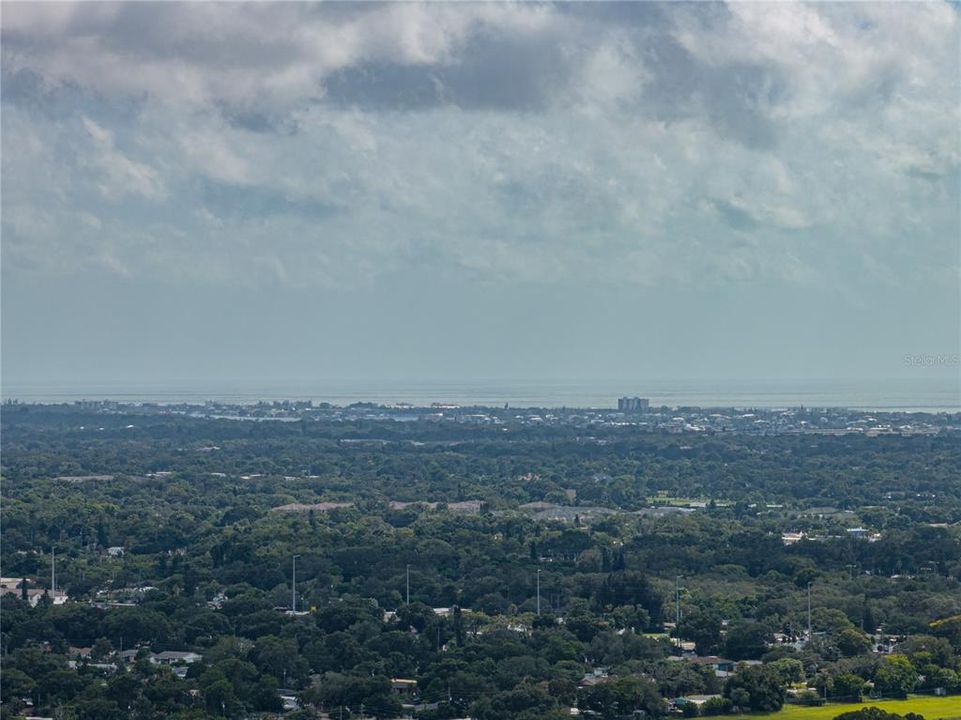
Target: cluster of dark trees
[[875, 713], [166, 538]]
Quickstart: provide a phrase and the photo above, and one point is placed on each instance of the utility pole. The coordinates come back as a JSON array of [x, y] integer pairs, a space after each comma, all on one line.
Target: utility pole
[[538, 591], [53, 573], [293, 584], [408, 583], [810, 635], [677, 601]]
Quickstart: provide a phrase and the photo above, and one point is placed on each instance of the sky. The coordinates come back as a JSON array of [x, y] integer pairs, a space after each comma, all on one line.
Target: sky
[[279, 192]]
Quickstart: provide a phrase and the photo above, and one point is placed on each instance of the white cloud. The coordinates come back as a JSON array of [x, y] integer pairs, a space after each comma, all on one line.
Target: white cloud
[[240, 53], [118, 175], [779, 143]]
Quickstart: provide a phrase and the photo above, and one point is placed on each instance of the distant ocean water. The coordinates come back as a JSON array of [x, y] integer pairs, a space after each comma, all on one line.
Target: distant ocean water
[[909, 395]]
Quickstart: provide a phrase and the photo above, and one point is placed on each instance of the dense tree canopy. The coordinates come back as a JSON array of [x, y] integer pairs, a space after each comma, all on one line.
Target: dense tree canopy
[[168, 537]]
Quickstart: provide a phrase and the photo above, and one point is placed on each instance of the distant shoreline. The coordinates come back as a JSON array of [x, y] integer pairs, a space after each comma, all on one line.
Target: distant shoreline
[[439, 406], [920, 394]]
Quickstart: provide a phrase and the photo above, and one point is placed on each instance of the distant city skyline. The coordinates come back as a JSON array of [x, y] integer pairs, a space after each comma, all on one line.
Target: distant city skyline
[[268, 193], [911, 395]]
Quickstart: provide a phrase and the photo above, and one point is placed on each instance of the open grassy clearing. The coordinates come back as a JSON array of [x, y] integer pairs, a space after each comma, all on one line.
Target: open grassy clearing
[[933, 708]]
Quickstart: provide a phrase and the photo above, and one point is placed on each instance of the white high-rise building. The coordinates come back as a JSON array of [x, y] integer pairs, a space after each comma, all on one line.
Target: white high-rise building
[[633, 404]]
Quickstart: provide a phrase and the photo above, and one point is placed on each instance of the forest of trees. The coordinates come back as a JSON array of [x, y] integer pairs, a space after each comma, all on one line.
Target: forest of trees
[[167, 537]]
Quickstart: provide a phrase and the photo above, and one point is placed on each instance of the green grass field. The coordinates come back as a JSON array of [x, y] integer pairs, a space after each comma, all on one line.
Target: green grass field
[[933, 708]]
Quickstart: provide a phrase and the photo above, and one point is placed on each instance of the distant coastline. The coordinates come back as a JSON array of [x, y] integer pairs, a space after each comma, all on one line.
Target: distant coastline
[[903, 395]]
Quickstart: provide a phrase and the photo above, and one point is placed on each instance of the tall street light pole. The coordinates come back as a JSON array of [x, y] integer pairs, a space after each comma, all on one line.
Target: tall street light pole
[[293, 584], [538, 591], [677, 601]]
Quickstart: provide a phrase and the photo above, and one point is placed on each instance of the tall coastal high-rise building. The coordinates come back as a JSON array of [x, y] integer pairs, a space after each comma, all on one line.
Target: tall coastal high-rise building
[[633, 404]]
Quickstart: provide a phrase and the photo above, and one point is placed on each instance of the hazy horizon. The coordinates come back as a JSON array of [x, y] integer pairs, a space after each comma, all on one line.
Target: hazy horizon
[[913, 395]]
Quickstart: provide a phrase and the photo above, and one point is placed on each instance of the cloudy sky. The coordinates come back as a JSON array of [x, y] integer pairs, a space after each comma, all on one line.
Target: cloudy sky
[[287, 191]]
